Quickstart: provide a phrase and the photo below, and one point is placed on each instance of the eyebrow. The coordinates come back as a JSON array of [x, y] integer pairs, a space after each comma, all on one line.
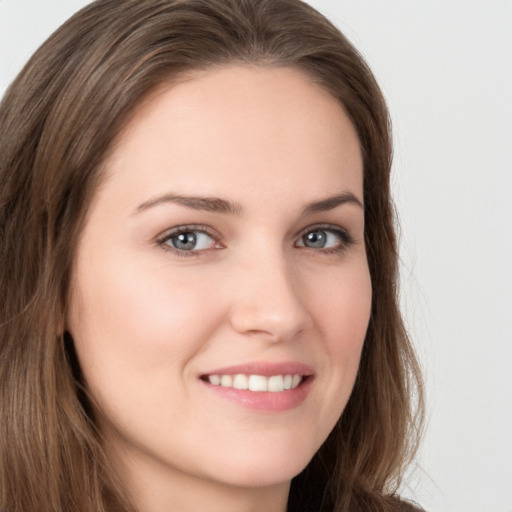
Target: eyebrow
[[332, 202], [209, 204], [218, 205]]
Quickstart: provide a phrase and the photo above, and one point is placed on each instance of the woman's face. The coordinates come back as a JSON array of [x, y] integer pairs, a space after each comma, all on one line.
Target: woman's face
[[225, 249]]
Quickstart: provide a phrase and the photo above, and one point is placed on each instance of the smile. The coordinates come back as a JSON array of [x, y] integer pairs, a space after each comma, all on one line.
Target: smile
[[262, 386], [258, 383]]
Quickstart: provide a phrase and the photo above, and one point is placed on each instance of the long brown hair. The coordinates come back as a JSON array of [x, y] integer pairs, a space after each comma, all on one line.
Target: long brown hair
[[58, 121]]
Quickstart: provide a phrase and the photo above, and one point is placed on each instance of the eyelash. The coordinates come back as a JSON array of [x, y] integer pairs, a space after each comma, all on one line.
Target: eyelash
[[345, 239], [175, 232]]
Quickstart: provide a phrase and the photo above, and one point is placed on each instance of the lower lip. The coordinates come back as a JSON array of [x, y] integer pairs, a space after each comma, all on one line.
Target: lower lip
[[264, 400]]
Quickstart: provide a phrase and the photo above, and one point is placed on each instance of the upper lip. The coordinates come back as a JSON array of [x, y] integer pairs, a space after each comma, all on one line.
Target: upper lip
[[264, 369]]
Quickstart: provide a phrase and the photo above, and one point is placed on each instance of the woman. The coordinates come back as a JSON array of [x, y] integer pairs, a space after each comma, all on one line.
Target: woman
[[199, 267]]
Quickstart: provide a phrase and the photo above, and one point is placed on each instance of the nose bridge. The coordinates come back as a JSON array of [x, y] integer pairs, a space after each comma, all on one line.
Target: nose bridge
[[268, 299]]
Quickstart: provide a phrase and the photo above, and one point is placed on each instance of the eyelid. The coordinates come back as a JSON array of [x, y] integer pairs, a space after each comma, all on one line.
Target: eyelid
[[186, 228], [346, 239]]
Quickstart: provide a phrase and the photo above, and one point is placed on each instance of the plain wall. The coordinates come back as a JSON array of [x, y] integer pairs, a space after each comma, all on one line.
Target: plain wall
[[445, 68]]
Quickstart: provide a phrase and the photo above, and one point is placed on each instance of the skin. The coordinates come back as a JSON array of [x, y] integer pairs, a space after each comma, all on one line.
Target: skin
[[148, 321]]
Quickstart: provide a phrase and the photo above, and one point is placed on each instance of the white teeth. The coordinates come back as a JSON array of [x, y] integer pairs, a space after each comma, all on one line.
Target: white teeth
[[258, 383], [214, 379], [226, 381], [240, 382], [274, 384]]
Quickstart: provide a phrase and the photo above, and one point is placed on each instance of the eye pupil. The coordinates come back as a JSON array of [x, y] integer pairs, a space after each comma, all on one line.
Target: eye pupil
[[316, 239], [185, 241]]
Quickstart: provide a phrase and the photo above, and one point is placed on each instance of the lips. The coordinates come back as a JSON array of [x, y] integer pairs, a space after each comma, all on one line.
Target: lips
[[262, 386]]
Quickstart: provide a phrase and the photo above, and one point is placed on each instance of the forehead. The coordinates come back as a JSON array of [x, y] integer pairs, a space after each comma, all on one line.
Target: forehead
[[236, 126]]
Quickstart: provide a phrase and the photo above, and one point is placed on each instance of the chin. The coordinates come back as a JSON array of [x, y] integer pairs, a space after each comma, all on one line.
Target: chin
[[257, 471]]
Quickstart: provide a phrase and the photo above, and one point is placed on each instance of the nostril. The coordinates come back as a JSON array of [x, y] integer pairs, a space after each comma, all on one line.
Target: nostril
[[272, 323]]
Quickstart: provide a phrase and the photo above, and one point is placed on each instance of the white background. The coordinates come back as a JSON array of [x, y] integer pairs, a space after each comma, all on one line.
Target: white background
[[446, 69]]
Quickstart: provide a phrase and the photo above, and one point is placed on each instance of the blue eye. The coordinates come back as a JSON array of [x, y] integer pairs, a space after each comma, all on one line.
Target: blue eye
[[186, 239], [325, 238]]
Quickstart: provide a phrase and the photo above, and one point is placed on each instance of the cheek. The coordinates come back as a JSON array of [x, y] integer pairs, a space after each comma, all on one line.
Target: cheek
[[342, 312], [125, 320], [342, 308], [341, 305]]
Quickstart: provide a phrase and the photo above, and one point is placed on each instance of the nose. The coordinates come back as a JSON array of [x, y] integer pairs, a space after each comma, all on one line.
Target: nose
[[269, 299]]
